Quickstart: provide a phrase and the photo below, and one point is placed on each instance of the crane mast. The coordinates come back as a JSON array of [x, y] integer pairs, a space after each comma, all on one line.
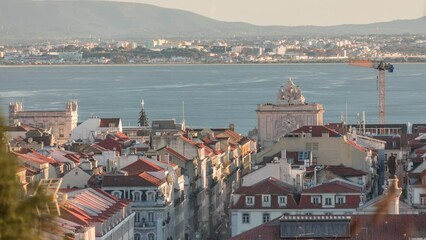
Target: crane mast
[[381, 67], [381, 80]]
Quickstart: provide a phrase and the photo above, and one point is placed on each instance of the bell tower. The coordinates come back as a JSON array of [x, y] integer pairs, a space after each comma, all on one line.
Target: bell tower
[[71, 118], [14, 109]]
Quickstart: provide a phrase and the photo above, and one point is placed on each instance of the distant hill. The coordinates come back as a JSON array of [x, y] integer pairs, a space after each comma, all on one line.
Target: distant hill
[[29, 20]]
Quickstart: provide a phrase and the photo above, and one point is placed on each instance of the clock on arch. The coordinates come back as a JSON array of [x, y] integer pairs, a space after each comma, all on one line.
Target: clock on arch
[[290, 123], [285, 125]]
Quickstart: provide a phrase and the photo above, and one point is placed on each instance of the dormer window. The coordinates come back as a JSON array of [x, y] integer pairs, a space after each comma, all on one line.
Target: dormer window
[[137, 196], [116, 194], [150, 197], [266, 200], [315, 200], [340, 200], [282, 201], [328, 201], [249, 200]]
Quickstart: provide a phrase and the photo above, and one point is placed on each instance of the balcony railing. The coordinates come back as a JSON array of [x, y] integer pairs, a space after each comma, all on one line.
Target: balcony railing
[[423, 206], [145, 225], [149, 203]]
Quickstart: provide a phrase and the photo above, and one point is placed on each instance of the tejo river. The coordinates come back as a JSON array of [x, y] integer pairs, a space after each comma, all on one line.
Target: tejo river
[[214, 95]]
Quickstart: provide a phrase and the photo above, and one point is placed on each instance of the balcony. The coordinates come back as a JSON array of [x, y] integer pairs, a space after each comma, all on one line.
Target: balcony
[[419, 206], [158, 203], [145, 225]]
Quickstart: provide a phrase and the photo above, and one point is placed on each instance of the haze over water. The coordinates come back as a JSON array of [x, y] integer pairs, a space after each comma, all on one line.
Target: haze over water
[[214, 95]]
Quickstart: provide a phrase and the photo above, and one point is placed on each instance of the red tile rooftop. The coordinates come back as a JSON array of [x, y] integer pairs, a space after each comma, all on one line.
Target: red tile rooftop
[[176, 154], [72, 157], [317, 131], [233, 135], [143, 179], [333, 187], [267, 186], [26, 157], [189, 141], [155, 181], [99, 148], [106, 122], [362, 227], [92, 205], [267, 231], [110, 144], [141, 165], [41, 156], [169, 163], [121, 135], [354, 144], [344, 171]]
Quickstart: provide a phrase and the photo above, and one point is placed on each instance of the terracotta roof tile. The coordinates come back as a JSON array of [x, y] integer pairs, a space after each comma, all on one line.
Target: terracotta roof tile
[[99, 148], [72, 157], [26, 157], [89, 206], [357, 146], [110, 144], [317, 131], [363, 227], [41, 156], [344, 171], [141, 165], [333, 187], [267, 231], [105, 122], [144, 180], [155, 181], [176, 154], [189, 141], [267, 186]]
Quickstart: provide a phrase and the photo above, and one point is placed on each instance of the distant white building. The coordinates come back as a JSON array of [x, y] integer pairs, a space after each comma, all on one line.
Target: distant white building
[[70, 56], [95, 128], [76, 178]]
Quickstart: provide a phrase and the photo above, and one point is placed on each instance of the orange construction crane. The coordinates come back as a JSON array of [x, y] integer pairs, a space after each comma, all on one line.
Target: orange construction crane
[[381, 67]]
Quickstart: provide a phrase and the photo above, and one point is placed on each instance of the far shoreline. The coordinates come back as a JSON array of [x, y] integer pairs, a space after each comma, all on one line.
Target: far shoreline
[[177, 64]]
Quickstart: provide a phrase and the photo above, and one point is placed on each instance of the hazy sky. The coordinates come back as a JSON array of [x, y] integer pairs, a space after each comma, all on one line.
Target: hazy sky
[[299, 12]]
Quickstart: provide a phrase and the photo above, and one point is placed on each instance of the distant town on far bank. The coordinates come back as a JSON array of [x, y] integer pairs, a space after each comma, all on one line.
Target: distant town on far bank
[[396, 48]]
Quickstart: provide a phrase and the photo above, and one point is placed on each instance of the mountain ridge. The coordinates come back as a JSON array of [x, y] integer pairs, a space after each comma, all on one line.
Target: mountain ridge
[[31, 20]]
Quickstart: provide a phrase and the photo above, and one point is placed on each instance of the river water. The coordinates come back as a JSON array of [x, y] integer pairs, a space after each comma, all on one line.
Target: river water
[[213, 95]]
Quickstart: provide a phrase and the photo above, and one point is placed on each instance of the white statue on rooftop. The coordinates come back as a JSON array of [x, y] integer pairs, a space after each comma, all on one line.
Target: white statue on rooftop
[[291, 94]]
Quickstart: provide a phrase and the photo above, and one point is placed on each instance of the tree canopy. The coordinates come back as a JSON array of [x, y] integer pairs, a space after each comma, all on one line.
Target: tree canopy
[[22, 215]]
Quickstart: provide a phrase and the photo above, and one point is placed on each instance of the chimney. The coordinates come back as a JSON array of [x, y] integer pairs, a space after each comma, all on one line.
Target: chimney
[[393, 192], [232, 127]]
